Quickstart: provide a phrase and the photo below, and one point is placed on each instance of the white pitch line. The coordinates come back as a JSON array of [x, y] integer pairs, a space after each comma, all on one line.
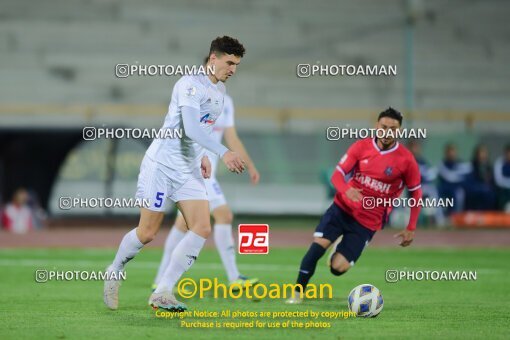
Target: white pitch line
[[144, 264], [50, 264]]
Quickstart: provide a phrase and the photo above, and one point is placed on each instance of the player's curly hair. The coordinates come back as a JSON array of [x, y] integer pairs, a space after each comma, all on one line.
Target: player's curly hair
[[227, 45], [391, 113]]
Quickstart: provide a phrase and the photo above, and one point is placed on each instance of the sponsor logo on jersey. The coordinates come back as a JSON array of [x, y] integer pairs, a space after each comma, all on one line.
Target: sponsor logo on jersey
[[205, 119], [388, 171], [373, 183]]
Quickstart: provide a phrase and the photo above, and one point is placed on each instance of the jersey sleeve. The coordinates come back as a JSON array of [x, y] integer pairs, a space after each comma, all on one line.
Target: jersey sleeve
[[412, 176], [188, 93], [350, 159], [191, 122], [228, 111]]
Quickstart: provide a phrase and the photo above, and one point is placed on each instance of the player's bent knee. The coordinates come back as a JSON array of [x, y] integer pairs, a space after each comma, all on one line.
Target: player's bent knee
[[339, 270], [228, 218], [223, 215], [339, 264], [202, 230], [149, 224], [224, 219], [145, 235], [342, 268], [336, 272]]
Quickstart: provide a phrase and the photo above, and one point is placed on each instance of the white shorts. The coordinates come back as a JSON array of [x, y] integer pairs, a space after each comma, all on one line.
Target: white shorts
[[214, 193], [161, 185]]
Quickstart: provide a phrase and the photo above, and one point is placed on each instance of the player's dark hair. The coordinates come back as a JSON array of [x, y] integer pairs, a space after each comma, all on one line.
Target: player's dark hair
[[391, 113], [227, 45]]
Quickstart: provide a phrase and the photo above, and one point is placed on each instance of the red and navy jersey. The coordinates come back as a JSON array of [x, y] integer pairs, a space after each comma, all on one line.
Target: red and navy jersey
[[380, 174]]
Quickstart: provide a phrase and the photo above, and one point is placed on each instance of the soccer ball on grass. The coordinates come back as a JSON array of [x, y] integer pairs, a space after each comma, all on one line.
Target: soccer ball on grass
[[365, 300]]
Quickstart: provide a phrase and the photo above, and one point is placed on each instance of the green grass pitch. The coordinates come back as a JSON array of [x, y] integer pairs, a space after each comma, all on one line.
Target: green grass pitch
[[425, 309]]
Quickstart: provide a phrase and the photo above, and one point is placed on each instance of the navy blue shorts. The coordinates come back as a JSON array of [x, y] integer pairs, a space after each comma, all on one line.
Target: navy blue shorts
[[336, 222]]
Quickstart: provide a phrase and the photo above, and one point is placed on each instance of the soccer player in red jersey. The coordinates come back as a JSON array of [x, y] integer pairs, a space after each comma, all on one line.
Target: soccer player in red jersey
[[380, 170]]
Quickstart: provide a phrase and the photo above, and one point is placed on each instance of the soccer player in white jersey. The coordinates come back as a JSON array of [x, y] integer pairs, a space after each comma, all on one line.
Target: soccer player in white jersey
[[222, 230], [173, 170]]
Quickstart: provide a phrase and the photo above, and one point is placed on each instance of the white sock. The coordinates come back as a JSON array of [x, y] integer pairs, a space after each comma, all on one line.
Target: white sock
[[129, 247], [225, 245], [183, 257], [174, 237]]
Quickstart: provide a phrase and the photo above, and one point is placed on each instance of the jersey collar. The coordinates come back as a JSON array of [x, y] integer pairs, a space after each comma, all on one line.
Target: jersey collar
[[383, 152], [209, 81]]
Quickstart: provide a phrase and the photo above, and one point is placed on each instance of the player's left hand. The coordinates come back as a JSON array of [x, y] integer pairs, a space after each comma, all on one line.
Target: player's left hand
[[254, 176], [407, 237], [206, 167]]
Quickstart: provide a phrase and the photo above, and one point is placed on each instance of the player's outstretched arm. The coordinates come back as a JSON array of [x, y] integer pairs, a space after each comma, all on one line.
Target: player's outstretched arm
[[407, 235], [191, 122], [234, 143]]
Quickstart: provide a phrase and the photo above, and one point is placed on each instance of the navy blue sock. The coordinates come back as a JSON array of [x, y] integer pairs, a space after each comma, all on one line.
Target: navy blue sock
[[309, 263]]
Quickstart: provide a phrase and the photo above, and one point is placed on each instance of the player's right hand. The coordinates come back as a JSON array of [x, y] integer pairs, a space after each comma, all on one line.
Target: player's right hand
[[233, 162], [407, 237], [354, 194]]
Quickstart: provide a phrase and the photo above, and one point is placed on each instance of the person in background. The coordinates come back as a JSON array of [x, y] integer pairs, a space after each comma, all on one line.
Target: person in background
[[452, 177], [480, 191], [17, 216], [502, 179], [39, 215], [428, 179]]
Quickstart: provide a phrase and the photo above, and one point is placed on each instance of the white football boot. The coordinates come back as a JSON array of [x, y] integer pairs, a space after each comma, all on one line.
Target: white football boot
[[111, 291]]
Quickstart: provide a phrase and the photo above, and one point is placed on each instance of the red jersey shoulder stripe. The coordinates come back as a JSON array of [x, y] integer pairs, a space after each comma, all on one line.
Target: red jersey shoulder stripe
[[414, 188]]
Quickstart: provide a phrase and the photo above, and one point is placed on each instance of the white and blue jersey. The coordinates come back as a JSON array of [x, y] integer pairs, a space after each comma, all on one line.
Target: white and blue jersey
[[197, 92]]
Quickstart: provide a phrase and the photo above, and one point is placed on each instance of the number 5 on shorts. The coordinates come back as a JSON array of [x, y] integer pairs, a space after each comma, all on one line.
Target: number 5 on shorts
[[159, 200]]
